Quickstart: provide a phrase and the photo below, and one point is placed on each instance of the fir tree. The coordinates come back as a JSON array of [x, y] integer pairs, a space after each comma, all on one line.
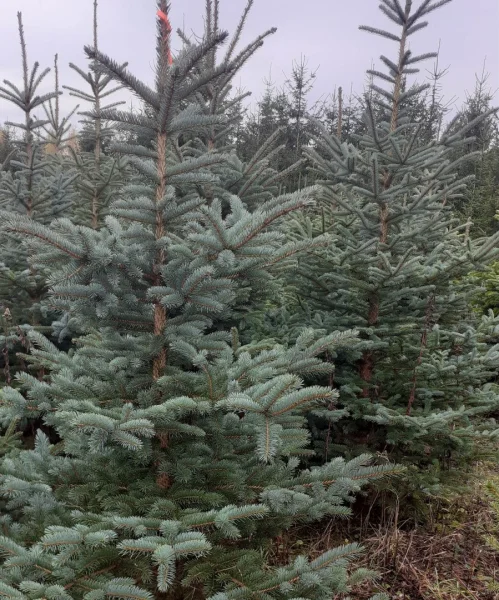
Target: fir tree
[[178, 458], [284, 115], [415, 386], [57, 132], [300, 84], [255, 178], [480, 203], [266, 127], [100, 175], [7, 148], [37, 185]]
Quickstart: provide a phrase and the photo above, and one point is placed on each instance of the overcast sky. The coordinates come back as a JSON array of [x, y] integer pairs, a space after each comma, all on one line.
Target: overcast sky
[[325, 31]]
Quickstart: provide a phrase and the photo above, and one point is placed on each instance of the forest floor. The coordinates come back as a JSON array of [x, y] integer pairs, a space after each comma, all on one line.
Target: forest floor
[[453, 557]]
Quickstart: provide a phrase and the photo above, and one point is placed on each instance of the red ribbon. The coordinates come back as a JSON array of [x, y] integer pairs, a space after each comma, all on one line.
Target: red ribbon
[[166, 20]]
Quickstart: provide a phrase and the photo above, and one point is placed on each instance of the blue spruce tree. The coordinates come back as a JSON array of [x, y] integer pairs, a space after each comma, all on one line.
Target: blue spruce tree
[[100, 176], [178, 451], [38, 184], [416, 385]]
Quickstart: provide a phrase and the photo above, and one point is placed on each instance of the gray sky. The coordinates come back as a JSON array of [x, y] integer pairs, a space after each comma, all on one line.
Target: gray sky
[[325, 31]]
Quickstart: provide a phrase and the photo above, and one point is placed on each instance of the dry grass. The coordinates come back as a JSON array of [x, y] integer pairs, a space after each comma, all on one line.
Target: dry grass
[[456, 558]]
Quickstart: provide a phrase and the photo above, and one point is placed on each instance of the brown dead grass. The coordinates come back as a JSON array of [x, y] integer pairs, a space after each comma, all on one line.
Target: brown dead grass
[[447, 560]]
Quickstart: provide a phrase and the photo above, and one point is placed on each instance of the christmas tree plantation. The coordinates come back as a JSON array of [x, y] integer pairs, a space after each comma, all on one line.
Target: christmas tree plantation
[[176, 451], [38, 184], [416, 385]]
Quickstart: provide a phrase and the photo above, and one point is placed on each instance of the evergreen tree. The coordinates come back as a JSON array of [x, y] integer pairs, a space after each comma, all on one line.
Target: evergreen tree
[[37, 185], [255, 178], [486, 294], [252, 174], [481, 200], [265, 127], [415, 385], [100, 176], [7, 148], [284, 115], [342, 116], [179, 450], [57, 132], [300, 84]]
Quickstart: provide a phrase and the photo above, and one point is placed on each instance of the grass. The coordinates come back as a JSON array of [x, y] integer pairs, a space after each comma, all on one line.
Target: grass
[[455, 557]]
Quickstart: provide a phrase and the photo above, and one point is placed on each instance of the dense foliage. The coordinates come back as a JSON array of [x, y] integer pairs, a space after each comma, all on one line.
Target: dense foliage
[[416, 386], [217, 325]]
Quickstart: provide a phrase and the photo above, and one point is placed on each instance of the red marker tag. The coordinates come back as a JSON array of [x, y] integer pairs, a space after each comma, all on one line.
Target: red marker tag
[[166, 20]]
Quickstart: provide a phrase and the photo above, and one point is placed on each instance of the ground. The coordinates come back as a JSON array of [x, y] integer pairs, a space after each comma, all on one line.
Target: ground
[[454, 556]]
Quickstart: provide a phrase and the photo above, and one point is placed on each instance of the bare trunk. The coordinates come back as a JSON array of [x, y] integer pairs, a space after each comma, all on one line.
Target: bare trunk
[[160, 317]]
